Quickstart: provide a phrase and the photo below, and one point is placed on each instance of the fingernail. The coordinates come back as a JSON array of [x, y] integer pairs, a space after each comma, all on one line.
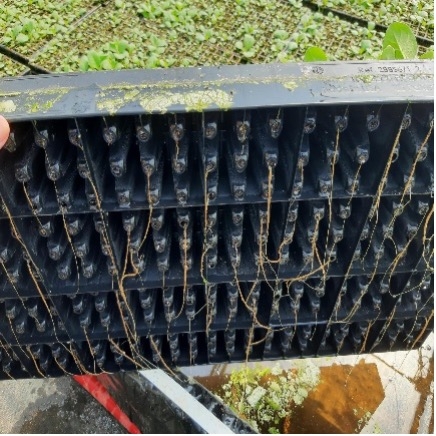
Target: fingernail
[[4, 131]]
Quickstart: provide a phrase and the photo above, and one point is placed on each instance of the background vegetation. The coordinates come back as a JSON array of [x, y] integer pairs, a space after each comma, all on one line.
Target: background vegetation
[[72, 35]]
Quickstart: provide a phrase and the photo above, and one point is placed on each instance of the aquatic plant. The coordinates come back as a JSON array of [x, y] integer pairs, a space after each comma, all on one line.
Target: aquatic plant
[[265, 397]]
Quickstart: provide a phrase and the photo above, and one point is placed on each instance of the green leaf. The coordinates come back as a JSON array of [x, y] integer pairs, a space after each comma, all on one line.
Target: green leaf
[[120, 56], [388, 53], [281, 34], [402, 40], [94, 60], [152, 61], [315, 54], [429, 54], [248, 42], [292, 46], [282, 57], [366, 44], [15, 31], [122, 46], [22, 38], [83, 64], [249, 53], [108, 64]]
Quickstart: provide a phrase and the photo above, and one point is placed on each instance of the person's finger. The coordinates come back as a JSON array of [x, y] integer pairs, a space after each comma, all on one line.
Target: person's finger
[[4, 131]]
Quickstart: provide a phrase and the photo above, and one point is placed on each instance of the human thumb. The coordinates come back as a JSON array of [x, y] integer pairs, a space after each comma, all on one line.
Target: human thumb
[[4, 131]]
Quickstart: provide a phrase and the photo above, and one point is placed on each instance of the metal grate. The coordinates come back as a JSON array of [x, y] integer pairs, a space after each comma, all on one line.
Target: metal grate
[[215, 214]]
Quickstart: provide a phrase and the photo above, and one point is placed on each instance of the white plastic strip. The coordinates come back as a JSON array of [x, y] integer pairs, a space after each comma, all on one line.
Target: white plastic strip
[[185, 402]]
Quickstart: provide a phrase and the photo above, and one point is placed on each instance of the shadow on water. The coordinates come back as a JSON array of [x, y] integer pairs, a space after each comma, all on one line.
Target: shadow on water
[[344, 400]]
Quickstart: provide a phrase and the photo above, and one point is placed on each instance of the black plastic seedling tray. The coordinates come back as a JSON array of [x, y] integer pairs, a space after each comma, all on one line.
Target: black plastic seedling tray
[[206, 215]]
